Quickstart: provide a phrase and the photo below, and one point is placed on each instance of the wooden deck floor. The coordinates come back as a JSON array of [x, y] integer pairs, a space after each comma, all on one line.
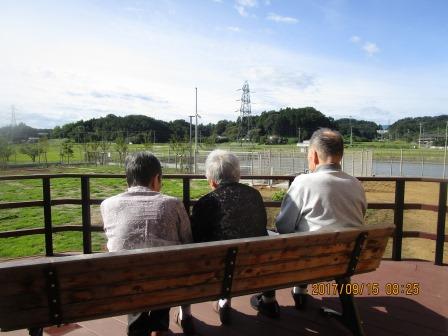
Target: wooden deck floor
[[422, 314]]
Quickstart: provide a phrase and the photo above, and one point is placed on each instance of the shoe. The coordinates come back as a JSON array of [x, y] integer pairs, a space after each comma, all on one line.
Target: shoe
[[300, 300], [269, 309], [186, 324], [223, 312]]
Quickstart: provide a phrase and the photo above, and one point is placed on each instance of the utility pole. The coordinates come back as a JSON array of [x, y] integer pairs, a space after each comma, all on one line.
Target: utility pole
[[420, 136], [196, 134], [13, 124], [191, 144], [351, 132], [299, 134], [444, 157]]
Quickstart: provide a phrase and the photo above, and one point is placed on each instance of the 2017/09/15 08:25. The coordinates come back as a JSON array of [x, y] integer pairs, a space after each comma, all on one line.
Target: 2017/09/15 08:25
[[367, 288]]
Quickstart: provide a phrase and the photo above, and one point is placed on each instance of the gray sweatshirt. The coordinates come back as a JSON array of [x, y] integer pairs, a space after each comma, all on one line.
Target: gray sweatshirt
[[325, 197]]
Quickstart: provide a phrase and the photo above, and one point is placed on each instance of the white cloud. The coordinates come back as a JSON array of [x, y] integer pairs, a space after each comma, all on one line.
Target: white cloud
[[234, 29], [283, 19], [133, 68], [247, 3], [370, 48], [242, 6], [355, 39]]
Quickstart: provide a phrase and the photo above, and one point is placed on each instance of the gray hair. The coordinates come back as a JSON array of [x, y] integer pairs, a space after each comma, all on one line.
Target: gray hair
[[222, 166], [327, 142]]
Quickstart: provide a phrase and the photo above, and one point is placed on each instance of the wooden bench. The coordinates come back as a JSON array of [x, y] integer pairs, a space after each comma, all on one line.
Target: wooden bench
[[53, 291]]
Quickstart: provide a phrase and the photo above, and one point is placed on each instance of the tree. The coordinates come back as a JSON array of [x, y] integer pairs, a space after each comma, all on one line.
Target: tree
[[31, 150], [43, 146], [6, 150], [104, 146], [179, 149], [147, 141], [121, 147], [66, 150]]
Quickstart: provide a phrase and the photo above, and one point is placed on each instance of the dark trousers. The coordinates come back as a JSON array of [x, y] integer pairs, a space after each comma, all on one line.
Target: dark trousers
[[154, 320]]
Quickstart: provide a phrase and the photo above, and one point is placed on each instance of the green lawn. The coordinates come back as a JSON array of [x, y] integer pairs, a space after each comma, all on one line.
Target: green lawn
[[26, 190]]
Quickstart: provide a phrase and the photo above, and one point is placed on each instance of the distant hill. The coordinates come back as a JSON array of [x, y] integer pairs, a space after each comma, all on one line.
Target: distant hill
[[22, 132], [409, 128]]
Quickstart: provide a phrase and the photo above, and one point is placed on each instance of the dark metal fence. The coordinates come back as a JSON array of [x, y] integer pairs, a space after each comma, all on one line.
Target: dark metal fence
[[86, 201]]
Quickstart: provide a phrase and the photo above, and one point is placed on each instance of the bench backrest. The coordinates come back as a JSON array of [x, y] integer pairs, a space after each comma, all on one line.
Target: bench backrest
[[49, 291]]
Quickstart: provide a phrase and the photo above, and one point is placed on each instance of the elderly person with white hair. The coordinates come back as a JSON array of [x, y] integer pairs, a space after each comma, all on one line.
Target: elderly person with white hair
[[231, 210]]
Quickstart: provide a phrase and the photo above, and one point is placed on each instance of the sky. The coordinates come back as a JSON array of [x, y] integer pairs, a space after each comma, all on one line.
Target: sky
[[377, 60]]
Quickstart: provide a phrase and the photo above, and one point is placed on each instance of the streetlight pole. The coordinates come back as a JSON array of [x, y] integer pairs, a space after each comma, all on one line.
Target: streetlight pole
[[351, 132], [191, 144], [196, 134], [420, 136]]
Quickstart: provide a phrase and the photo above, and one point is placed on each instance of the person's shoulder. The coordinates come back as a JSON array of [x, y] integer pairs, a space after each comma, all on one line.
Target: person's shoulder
[[303, 179], [167, 199], [247, 188], [110, 201], [349, 177]]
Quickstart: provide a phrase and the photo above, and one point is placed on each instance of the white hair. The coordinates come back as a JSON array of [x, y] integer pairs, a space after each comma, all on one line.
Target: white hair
[[222, 166]]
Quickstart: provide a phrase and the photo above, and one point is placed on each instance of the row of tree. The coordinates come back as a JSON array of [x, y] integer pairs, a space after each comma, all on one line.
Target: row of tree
[[294, 123]]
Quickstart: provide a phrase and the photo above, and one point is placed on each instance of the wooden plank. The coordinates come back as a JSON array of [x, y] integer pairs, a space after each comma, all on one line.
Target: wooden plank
[[134, 303], [288, 279], [142, 287]]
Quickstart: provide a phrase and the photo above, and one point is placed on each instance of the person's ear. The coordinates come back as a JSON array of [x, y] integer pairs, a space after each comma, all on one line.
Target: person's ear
[[156, 183], [213, 184], [315, 158]]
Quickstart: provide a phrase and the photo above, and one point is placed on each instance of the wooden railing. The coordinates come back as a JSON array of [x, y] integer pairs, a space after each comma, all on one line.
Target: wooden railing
[[86, 201]]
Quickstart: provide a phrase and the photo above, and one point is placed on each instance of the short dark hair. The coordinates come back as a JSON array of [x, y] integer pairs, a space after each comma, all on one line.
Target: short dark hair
[[327, 142], [141, 167]]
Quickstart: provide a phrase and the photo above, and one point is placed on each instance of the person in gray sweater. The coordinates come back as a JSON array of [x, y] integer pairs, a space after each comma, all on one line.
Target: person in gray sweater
[[143, 217], [326, 199]]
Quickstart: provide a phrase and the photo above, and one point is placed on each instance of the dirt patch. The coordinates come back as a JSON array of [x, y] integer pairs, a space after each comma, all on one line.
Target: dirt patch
[[414, 220]]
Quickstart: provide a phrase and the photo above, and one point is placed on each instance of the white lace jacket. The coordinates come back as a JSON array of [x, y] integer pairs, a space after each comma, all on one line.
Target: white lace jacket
[[141, 218]]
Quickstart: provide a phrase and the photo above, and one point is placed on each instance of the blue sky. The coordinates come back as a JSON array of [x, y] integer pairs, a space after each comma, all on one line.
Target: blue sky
[[62, 61]]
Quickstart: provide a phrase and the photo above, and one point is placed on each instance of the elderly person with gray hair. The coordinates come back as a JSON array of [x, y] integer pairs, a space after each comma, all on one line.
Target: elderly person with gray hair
[[326, 199], [231, 210]]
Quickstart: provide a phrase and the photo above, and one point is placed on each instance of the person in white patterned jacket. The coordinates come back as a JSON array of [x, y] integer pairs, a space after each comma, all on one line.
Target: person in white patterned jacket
[[143, 217]]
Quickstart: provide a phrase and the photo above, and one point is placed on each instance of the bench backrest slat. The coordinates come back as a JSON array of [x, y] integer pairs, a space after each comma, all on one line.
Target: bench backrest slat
[[108, 284]]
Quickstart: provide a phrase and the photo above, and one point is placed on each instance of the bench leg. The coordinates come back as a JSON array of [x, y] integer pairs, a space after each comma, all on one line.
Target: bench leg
[[350, 315], [36, 331]]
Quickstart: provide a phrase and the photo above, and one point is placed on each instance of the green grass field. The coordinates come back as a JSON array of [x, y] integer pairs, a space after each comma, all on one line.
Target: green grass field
[[27, 190], [381, 151]]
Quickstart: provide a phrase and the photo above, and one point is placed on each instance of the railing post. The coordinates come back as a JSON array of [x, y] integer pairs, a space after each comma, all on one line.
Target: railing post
[[186, 193], [47, 216], [86, 220], [440, 240], [398, 220]]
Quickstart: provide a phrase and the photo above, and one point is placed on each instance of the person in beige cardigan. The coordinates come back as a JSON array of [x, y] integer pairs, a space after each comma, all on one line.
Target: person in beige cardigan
[[143, 217]]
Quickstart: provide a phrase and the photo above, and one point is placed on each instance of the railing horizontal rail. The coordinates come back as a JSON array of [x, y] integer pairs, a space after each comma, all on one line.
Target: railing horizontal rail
[[200, 176], [269, 204], [55, 229], [418, 234]]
